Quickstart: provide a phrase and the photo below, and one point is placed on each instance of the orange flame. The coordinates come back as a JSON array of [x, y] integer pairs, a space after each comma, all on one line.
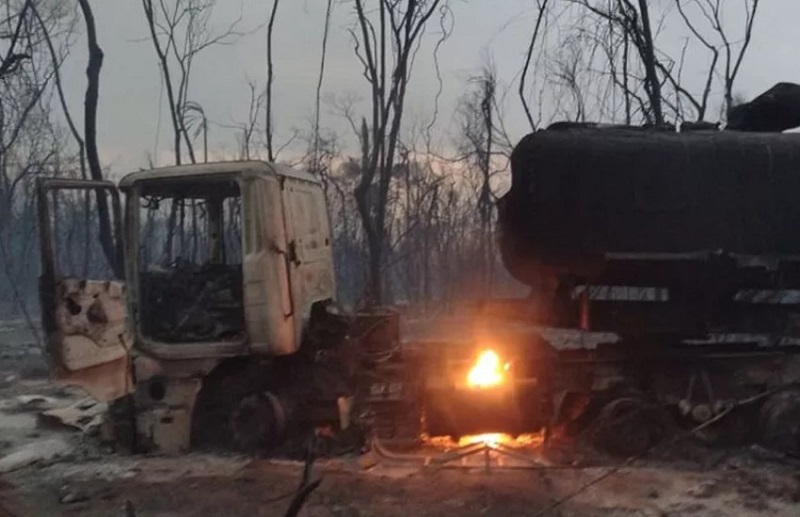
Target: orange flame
[[494, 439], [488, 372], [488, 439]]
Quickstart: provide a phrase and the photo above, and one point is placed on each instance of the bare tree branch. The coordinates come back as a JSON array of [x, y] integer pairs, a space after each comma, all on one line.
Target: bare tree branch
[[60, 89], [387, 53], [179, 31], [711, 11], [542, 6], [270, 78], [318, 94], [12, 59]]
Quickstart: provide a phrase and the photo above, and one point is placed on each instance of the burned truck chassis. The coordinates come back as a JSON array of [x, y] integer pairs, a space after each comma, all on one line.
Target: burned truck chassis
[[661, 367], [625, 364], [250, 404], [623, 398], [628, 396]]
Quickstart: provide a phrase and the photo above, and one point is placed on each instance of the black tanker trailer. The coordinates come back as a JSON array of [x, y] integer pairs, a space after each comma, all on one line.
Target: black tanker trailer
[[664, 270], [706, 222]]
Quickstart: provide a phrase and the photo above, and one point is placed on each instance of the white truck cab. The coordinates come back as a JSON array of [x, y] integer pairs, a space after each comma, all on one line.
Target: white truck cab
[[223, 265]]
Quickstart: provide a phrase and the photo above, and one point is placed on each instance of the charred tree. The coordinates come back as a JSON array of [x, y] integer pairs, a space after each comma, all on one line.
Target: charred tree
[[386, 48], [13, 58], [649, 58], [179, 31], [90, 135], [542, 6], [723, 49], [270, 79], [632, 19], [478, 131]]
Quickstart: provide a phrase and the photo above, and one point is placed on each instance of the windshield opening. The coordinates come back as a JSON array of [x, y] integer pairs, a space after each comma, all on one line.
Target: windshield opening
[[190, 261]]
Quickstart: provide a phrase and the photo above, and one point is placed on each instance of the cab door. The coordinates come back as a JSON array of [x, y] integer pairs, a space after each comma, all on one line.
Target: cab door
[[81, 288], [308, 232]]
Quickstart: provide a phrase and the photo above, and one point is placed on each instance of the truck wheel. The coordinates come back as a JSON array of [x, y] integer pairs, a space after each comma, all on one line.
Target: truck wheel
[[259, 422], [733, 430], [223, 390], [779, 422], [627, 426]]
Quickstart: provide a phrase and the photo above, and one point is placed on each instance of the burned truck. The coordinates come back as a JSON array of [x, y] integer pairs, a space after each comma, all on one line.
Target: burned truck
[[664, 274], [674, 260], [217, 321]]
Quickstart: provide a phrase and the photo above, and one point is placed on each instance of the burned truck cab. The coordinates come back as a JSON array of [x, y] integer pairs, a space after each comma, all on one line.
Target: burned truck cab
[[224, 259], [223, 266]]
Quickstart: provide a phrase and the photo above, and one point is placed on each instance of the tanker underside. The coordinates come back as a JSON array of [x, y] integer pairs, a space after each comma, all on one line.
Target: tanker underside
[[623, 366], [622, 393], [623, 397], [704, 344]]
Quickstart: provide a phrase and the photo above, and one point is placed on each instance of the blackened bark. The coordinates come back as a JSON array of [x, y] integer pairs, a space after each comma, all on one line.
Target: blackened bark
[[270, 78], [650, 65], [90, 134]]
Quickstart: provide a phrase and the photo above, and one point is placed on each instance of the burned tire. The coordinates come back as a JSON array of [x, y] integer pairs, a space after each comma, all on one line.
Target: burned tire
[[779, 422], [259, 422], [223, 391], [628, 426]]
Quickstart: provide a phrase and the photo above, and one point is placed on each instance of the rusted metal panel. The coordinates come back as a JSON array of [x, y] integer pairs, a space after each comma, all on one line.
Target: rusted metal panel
[[91, 344], [104, 382], [92, 323]]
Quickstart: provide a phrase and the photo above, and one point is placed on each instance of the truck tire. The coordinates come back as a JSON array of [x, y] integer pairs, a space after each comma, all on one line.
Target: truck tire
[[628, 426], [779, 422]]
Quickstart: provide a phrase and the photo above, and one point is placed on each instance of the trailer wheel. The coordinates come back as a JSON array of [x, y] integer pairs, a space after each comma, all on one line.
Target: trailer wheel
[[733, 430], [627, 426], [779, 422]]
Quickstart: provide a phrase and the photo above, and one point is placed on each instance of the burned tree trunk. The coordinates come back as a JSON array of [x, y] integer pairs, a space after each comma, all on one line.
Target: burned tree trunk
[[270, 79], [386, 48], [90, 134], [648, 55]]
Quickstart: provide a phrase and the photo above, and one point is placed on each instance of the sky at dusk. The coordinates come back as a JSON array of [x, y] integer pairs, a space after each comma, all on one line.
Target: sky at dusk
[[131, 99]]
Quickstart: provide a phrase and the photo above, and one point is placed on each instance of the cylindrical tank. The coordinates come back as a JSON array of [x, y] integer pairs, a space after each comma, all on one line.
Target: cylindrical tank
[[580, 193]]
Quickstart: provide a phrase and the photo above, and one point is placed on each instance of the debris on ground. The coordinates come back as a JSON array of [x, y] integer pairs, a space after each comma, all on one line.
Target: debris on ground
[[53, 466], [39, 451], [84, 415]]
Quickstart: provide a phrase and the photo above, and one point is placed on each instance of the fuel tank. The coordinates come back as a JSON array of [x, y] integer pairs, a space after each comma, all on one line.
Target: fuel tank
[[582, 193]]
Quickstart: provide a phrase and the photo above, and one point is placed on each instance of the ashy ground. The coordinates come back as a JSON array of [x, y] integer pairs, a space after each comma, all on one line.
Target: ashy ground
[[50, 471]]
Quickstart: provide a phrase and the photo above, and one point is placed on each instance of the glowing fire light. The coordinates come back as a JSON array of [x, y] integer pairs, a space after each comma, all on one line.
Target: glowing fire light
[[493, 439], [488, 372], [490, 439]]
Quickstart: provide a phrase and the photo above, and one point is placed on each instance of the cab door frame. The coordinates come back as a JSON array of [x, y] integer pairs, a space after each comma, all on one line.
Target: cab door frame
[[85, 320]]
